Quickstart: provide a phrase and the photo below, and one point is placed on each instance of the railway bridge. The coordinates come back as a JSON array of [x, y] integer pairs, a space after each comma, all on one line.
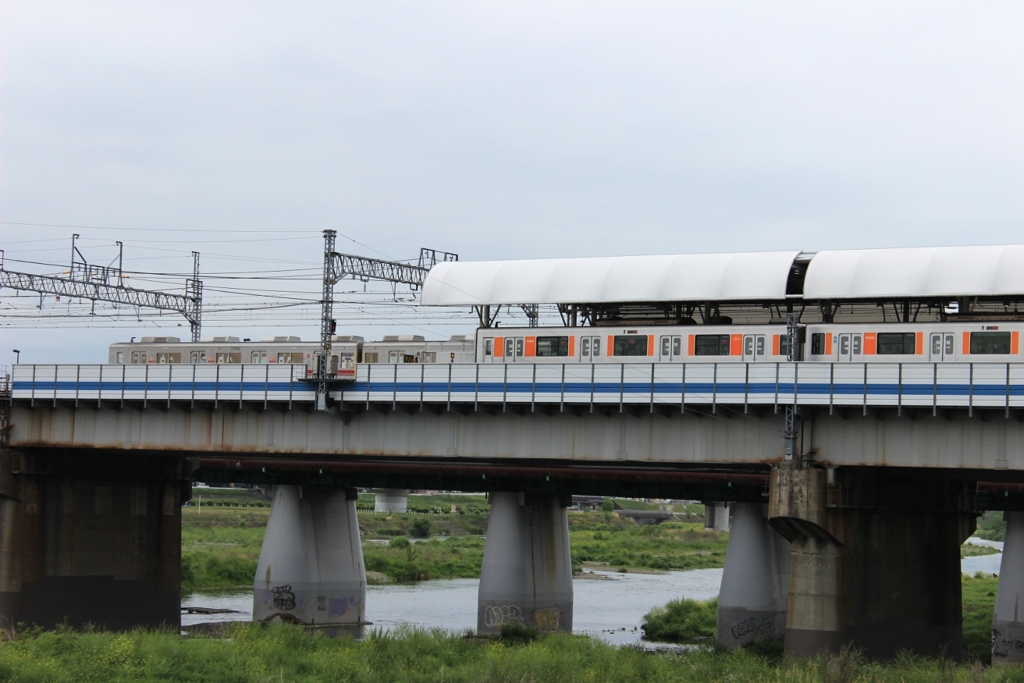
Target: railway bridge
[[852, 485]]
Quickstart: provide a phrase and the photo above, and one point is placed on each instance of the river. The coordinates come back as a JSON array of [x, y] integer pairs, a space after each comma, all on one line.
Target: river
[[607, 605]]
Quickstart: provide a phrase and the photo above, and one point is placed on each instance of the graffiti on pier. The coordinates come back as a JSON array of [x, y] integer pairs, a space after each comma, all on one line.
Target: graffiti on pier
[[284, 599], [1002, 647], [761, 630], [546, 619], [495, 615], [340, 607], [321, 603]]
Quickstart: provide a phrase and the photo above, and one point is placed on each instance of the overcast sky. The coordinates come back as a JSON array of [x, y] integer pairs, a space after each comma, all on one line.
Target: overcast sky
[[494, 130]]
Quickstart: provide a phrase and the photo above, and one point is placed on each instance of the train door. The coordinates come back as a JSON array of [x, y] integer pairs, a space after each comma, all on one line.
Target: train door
[[941, 346], [590, 349], [514, 349], [392, 356], [851, 348], [753, 348], [670, 348]]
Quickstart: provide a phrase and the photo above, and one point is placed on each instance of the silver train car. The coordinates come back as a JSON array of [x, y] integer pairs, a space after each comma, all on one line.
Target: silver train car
[[824, 342]]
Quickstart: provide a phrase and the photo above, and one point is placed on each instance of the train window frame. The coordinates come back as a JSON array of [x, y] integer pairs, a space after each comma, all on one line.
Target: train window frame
[[666, 346], [896, 343], [677, 346], [704, 346], [985, 346], [519, 347], [510, 345], [759, 345], [595, 346], [371, 357], [629, 345], [488, 347], [817, 344], [120, 357], [585, 347], [430, 356], [784, 345], [552, 347]]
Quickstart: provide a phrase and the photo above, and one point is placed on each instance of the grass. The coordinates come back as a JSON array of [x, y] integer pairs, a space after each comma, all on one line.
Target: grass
[[603, 539], [682, 621], [285, 653]]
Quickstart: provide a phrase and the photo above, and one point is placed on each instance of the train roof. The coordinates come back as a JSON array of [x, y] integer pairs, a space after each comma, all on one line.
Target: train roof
[[903, 273]]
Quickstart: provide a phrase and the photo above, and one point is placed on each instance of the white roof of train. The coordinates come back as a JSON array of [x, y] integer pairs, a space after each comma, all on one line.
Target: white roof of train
[[752, 276]]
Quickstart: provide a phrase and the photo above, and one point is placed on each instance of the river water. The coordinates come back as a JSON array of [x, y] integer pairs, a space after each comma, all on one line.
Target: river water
[[607, 605]]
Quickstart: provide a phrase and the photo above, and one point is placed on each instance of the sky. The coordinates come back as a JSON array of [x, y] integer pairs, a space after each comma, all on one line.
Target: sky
[[495, 130]]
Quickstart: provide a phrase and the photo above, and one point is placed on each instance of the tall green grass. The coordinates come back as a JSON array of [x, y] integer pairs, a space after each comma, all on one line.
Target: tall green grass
[[682, 621], [284, 653]]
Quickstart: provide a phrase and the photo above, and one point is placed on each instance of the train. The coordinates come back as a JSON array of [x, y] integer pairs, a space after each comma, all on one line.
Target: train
[[819, 342]]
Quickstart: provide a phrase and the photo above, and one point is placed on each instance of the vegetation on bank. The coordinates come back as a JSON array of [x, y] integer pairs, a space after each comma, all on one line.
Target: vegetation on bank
[[682, 621], [221, 542], [286, 653], [992, 526]]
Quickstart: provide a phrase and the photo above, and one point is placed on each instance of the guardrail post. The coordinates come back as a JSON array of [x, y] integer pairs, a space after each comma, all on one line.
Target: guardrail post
[[652, 388]]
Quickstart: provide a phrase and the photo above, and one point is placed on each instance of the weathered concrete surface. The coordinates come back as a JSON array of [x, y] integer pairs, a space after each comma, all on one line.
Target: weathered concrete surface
[[754, 594], [311, 565], [1008, 623], [527, 569], [875, 560], [952, 440], [88, 539], [716, 516]]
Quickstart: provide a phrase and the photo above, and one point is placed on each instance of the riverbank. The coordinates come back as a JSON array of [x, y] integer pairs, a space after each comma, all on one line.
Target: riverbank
[[222, 533], [284, 653]]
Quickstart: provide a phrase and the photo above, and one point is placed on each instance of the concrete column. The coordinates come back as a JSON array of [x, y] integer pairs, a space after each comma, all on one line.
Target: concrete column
[[1008, 624], [391, 500], [875, 559], [311, 566], [716, 516], [527, 569], [755, 583], [91, 539]]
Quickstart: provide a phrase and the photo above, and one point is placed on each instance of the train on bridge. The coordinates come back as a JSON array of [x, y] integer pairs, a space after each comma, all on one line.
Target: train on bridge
[[861, 343]]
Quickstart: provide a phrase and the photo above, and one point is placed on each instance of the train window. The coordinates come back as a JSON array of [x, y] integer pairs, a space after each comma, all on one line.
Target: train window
[[488, 347], [222, 358], [519, 347], [392, 356], [135, 356], [760, 345], [711, 345], [990, 342], [509, 343], [783, 344], [858, 340], [552, 346], [120, 357], [161, 358], [585, 347], [818, 344], [949, 344], [631, 345], [174, 357], [665, 346], [370, 357], [897, 343], [677, 346], [430, 356], [595, 347]]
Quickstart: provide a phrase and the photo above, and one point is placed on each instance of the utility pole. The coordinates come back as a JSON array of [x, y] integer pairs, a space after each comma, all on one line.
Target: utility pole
[[327, 324]]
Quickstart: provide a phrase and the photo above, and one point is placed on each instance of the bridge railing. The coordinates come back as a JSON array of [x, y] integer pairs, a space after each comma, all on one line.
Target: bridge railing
[[899, 385], [158, 382], [916, 385]]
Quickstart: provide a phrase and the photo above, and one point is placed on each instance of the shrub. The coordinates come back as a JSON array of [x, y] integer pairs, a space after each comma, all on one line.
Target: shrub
[[399, 542], [681, 620], [421, 528]]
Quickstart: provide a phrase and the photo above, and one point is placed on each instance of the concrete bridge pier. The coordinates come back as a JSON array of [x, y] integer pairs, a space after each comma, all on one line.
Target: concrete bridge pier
[[755, 583], [875, 559], [90, 539], [311, 568], [391, 500], [716, 516], [1008, 624], [527, 569]]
